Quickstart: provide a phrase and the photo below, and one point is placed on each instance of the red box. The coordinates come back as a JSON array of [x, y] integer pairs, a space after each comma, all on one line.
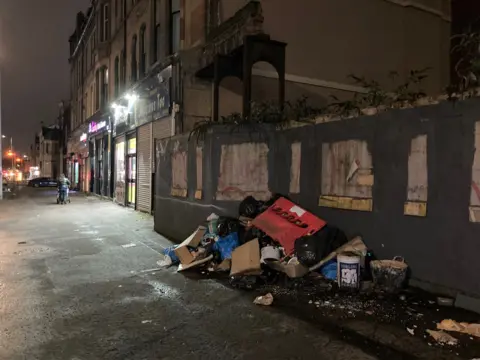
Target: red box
[[285, 222]]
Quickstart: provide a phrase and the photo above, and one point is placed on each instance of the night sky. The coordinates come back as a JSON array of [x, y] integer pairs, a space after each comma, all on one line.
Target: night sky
[[34, 63]]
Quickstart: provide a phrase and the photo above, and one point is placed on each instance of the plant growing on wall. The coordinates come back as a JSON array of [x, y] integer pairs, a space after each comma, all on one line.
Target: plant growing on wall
[[346, 108], [409, 91], [375, 96], [261, 114], [467, 65]]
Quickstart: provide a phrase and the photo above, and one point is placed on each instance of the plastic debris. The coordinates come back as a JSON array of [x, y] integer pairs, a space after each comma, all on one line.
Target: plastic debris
[[129, 245], [265, 300]]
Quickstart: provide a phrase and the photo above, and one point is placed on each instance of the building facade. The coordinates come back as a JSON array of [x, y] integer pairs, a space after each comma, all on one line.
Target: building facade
[[259, 55], [122, 57], [49, 154], [149, 69]]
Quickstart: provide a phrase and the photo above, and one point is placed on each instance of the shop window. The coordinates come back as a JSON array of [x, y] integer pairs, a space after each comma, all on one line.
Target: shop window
[[417, 191], [120, 172], [243, 172], [347, 176]]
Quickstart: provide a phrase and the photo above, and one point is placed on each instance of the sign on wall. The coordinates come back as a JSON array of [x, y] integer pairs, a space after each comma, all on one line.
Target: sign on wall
[[96, 126]]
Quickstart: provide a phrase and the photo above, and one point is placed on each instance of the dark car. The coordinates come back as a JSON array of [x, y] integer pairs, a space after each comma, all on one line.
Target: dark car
[[43, 182]]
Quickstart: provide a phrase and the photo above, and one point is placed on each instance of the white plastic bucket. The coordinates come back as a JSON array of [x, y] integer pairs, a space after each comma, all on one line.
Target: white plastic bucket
[[269, 253], [348, 271]]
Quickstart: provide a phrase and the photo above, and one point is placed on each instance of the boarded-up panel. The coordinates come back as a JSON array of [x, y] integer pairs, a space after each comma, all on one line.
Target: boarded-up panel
[[347, 176], [295, 168], [243, 172], [179, 173], [418, 170], [344, 167], [199, 166], [475, 186], [417, 191]]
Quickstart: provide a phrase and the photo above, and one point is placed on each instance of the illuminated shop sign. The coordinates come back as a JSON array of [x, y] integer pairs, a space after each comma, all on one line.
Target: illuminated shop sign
[[83, 137], [94, 126]]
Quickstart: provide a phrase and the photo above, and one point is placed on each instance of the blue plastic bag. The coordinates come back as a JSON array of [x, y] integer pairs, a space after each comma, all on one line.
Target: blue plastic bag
[[170, 252], [225, 245], [329, 270]]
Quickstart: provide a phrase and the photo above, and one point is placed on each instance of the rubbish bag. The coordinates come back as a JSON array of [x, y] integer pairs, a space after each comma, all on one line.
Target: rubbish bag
[[312, 249], [250, 207], [227, 225], [170, 252], [225, 245], [329, 270]]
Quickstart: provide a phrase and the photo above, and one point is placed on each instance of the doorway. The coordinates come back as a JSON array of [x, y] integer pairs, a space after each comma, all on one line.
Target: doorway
[[131, 172]]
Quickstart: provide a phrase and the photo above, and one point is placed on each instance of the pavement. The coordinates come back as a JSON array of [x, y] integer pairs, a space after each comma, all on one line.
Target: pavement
[[80, 281]]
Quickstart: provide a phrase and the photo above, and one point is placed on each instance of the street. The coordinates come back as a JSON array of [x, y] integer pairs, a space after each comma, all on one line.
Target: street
[[80, 281]]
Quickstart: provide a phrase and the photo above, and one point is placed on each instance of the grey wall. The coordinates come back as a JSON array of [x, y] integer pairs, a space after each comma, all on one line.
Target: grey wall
[[441, 248]]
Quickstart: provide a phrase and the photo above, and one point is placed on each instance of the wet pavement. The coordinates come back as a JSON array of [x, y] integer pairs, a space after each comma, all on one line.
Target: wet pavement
[[80, 281]]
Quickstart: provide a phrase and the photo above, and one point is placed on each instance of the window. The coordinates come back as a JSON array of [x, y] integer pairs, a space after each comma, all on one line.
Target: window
[[175, 26], [105, 22], [134, 59], [97, 89], [104, 86], [92, 101], [123, 68], [156, 34], [143, 52], [47, 148], [117, 77], [116, 9]]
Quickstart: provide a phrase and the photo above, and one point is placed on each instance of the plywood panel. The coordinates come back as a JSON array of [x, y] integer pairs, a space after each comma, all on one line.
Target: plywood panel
[[347, 169], [295, 168], [475, 186], [243, 171], [199, 157], [179, 172], [418, 170]]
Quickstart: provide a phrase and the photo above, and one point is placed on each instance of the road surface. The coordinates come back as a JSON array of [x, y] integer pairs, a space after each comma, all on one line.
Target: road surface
[[80, 281]]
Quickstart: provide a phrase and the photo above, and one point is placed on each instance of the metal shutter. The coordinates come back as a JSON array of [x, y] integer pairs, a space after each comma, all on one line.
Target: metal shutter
[[144, 170]]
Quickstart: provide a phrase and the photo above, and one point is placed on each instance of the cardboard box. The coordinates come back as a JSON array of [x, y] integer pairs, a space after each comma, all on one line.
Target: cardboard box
[[292, 271], [193, 241], [246, 259]]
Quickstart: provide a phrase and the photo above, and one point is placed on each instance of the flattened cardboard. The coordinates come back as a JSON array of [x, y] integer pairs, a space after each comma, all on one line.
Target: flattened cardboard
[[246, 259], [292, 271], [182, 251], [183, 267]]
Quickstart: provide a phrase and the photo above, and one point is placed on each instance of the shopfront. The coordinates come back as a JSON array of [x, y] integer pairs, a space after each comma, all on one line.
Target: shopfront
[[138, 118], [77, 159], [99, 150]]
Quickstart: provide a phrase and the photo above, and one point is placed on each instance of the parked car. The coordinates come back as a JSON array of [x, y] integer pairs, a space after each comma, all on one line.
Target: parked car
[[43, 182]]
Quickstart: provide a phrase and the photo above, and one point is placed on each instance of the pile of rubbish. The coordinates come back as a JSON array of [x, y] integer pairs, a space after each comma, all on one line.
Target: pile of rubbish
[[278, 237]]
